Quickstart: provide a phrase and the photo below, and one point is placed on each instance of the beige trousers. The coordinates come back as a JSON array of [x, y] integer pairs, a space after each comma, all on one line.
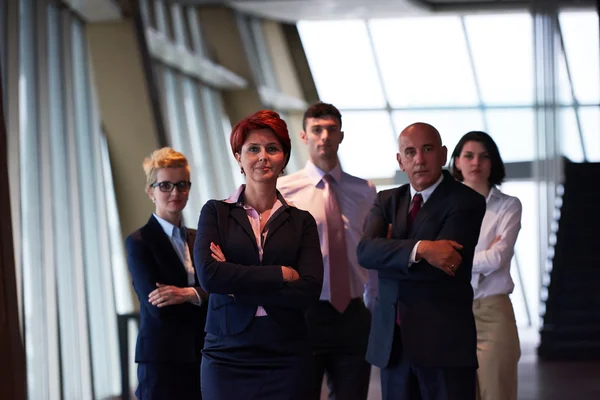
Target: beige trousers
[[498, 348]]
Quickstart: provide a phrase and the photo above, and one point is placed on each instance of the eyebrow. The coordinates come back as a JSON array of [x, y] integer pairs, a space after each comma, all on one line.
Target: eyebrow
[[260, 144]]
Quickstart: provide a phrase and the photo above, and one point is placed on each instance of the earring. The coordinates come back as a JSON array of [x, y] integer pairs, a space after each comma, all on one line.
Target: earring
[[242, 171], [154, 200]]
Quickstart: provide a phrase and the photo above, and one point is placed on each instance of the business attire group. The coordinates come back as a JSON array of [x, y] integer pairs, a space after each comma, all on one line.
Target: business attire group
[[313, 275]]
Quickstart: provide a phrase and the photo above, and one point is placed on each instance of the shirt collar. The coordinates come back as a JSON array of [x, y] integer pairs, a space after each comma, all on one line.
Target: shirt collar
[[316, 174], [237, 197], [494, 192], [170, 229], [427, 192]]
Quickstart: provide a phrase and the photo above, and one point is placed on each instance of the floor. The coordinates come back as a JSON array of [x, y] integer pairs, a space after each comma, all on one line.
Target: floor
[[538, 380]]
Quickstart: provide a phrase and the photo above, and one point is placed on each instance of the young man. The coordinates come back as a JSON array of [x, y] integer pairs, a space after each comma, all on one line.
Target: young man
[[339, 202]]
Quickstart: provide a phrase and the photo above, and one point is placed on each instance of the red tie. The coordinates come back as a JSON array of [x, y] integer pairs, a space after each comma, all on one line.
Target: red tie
[[339, 276], [417, 203]]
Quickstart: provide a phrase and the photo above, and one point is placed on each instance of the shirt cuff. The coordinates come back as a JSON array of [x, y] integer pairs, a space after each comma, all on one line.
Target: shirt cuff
[[198, 300], [413, 254]]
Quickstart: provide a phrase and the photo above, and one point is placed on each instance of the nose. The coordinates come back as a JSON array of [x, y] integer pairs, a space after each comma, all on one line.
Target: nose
[[262, 155], [419, 158]]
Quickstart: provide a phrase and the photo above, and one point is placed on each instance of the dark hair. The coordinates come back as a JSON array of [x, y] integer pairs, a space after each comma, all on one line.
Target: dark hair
[[497, 173], [265, 119], [320, 110]]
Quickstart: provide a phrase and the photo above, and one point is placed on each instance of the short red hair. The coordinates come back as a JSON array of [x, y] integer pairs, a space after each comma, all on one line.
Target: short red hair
[[264, 119]]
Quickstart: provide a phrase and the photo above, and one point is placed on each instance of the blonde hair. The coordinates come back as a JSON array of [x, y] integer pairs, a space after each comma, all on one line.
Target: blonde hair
[[162, 158]]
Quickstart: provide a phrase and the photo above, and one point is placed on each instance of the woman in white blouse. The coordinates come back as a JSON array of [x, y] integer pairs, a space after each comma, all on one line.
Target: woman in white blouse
[[476, 161]]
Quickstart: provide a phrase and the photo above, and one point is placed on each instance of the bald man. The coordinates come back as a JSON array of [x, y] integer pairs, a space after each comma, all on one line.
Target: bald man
[[423, 332]]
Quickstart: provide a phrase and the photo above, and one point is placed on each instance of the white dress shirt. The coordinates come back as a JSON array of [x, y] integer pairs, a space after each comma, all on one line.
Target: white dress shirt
[[355, 196], [181, 248], [426, 194], [491, 266]]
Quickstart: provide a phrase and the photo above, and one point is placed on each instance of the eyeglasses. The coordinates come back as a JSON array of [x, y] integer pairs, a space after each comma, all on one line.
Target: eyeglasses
[[167, 186]]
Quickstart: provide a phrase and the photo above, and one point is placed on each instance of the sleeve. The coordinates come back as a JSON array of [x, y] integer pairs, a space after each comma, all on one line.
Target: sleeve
[[227, 277], [142, 267], [302, 293], [509, 224], [375, 251]]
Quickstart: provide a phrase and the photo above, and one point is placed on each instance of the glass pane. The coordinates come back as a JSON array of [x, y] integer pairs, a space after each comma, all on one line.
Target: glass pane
[[565, 96], [527, 278], [580, 35], [343, 66], [590, 124], [452, 125], [424, 61], [502, 47], [513, 131], [569, 135], [369, 147]]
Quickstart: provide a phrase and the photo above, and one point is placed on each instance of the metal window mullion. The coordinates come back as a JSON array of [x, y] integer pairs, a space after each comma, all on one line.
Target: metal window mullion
[[264, 57], [480, 102], [160, 17], [198, 45], [36, 346], [570, 78], [198, 139], [178, 24], [48, 266], [81, 334]]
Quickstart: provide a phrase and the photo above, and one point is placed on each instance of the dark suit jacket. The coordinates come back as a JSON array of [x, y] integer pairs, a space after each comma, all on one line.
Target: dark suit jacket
[[172, 333], [243, 282], [437, 324]]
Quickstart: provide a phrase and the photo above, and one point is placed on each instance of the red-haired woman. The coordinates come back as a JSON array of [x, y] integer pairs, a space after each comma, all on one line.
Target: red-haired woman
[[260, 259]]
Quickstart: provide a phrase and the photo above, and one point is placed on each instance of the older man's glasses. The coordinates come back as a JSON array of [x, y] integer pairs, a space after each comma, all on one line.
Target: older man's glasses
[[167, 186]]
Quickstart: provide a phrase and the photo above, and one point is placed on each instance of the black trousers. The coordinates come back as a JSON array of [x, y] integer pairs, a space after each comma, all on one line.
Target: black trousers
[[401, 380], [166, 381], [339, 345]]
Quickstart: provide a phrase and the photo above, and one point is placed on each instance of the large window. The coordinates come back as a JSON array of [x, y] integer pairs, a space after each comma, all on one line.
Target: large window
[[63, 252], [459, 73]]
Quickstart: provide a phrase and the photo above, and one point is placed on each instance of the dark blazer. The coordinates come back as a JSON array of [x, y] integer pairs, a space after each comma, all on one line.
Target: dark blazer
[[437, 324], [243, 282], [172, 333]]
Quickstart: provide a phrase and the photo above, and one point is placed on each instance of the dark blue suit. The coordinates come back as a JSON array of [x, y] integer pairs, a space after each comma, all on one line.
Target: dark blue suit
[[433, 352], [170, 339], [249, 357]]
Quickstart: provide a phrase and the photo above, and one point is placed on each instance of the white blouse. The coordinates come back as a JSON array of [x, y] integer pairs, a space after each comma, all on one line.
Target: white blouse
[[491, 266]]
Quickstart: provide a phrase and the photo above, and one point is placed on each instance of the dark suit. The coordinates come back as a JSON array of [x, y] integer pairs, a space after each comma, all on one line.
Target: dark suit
[[435, 344], [170, 339], [245, 356]]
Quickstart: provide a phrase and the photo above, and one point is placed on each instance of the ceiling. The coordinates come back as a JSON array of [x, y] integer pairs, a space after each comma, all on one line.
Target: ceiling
[[294, 10]]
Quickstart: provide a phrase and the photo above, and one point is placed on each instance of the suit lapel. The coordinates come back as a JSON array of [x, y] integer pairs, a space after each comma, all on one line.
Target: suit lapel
[[240, 216], [433, 203], [283, 216], [191, 238], [402, 213], [164, 250]]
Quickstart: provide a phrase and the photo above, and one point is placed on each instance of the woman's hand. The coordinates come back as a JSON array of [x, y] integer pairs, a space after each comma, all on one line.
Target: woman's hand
[[167, 295], [289, 274], [217, 253]]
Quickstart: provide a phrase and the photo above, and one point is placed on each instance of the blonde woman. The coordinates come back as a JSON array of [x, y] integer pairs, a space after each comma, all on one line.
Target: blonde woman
[[172, 304]]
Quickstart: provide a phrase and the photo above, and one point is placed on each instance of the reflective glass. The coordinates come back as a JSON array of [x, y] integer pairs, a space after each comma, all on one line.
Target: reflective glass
[[369, 146], [502, 47], [569, 135], [424, 61], [513, 131], [452, 124], [590, 124], [342, 66], [580, 35]]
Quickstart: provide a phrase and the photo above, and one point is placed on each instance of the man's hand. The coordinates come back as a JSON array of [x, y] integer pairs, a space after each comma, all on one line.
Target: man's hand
[[442, 254], [289, 274], [167, 295]]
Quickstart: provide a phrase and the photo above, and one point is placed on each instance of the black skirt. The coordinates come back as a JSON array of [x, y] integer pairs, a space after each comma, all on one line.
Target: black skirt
[[259, 363]]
